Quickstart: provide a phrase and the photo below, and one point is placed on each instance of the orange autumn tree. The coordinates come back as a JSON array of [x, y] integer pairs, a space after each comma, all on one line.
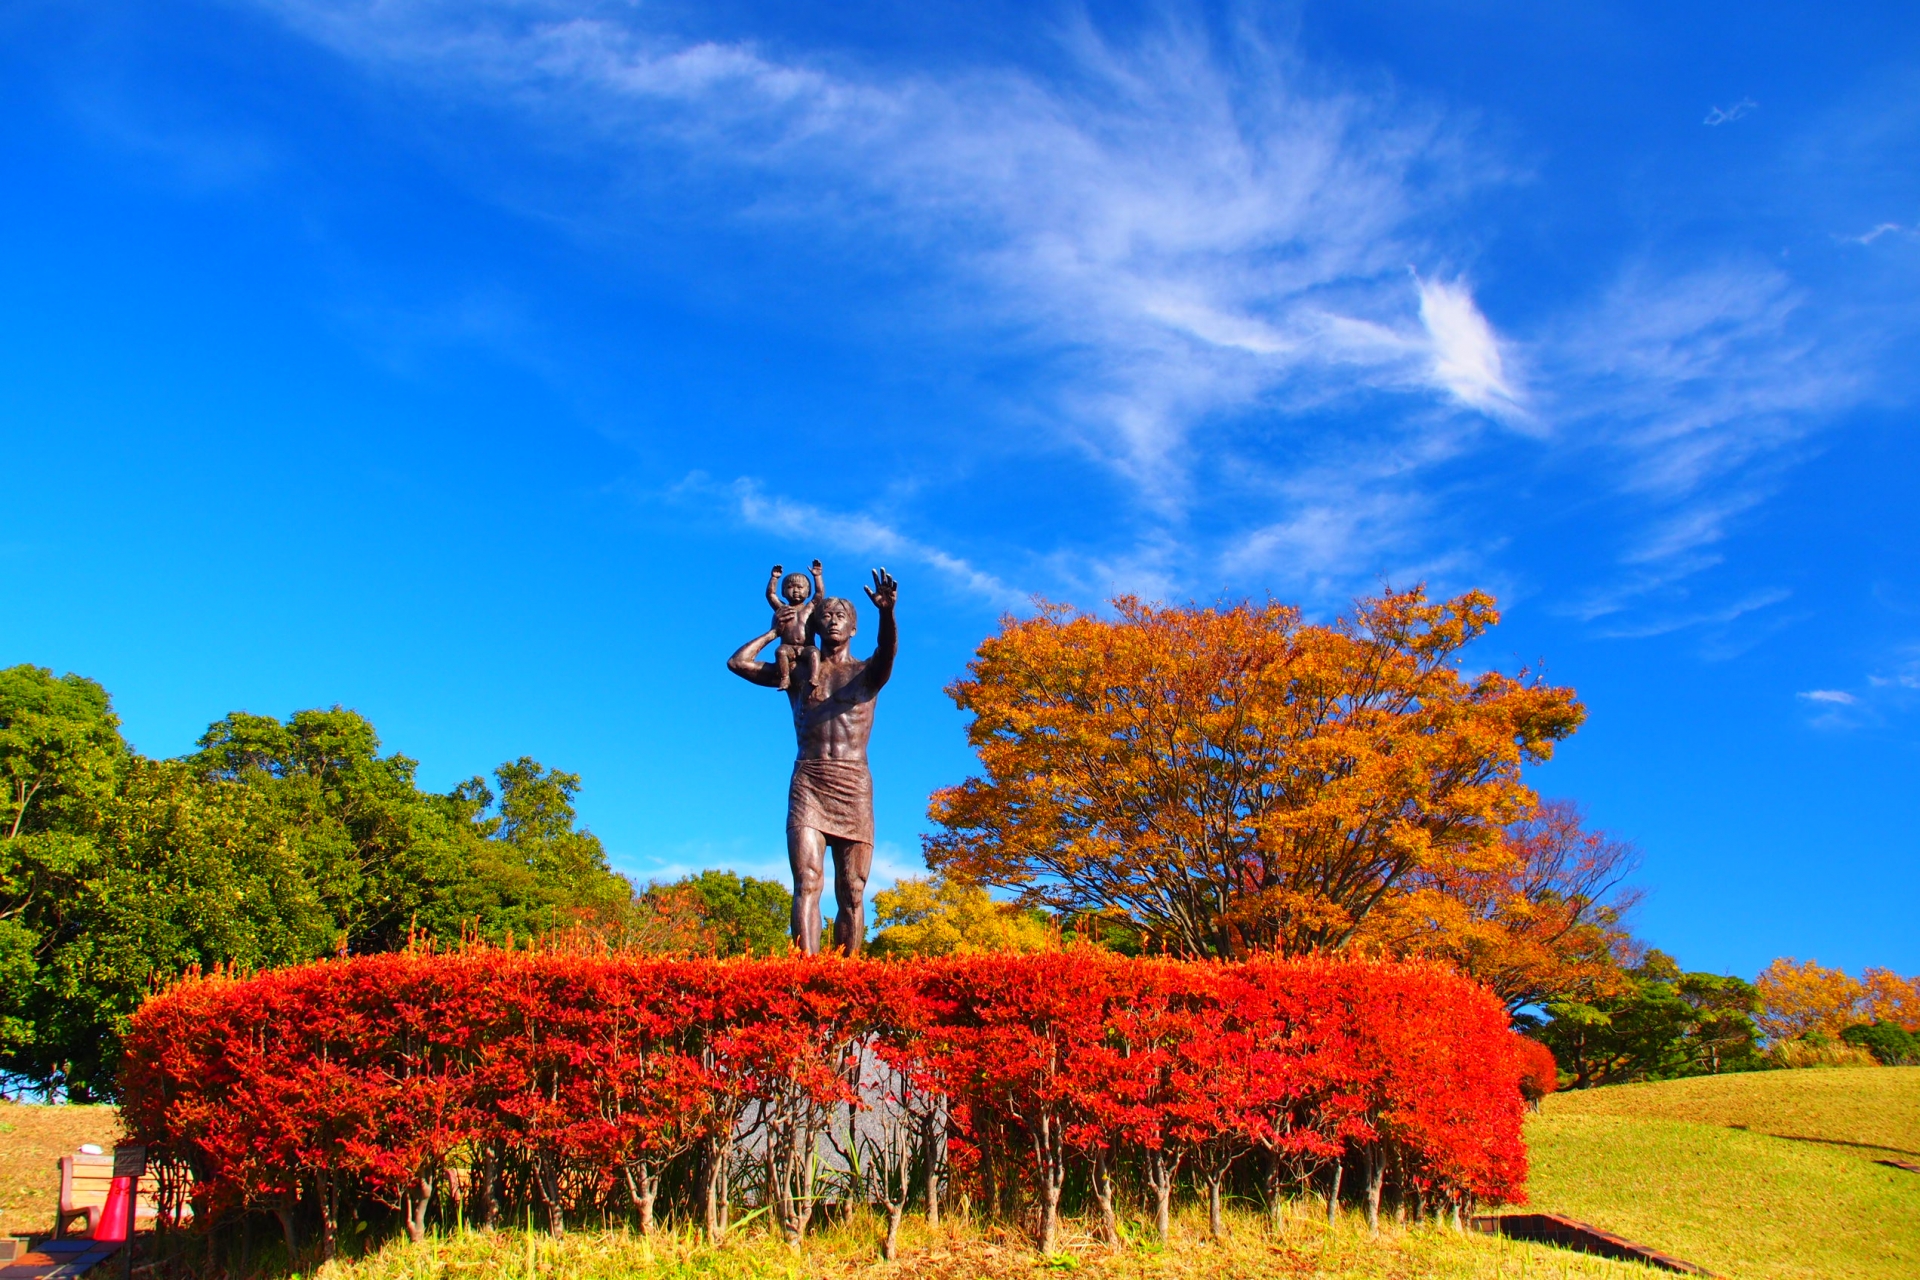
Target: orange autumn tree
[[1235, 778], [1537, 920]]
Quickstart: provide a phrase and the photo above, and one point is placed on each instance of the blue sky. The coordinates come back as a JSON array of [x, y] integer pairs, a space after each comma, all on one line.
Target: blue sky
[[469, 363]]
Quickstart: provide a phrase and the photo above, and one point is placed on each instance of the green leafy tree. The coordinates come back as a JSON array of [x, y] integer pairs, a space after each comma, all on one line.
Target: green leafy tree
[[534, 869], [61, 756], [1659, 1024], [1721, 1035], [381, 856], [1891, 1044], [275, 842], [745, 916]]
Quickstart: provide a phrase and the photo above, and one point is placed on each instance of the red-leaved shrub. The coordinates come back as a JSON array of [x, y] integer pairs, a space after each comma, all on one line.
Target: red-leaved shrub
[[503, 1083]]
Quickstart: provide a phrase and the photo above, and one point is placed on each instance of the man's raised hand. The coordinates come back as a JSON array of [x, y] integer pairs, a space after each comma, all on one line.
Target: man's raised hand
[[884, 589]]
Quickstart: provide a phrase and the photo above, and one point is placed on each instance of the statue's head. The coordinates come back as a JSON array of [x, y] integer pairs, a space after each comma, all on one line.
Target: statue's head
[[793, 587], [835, 619]]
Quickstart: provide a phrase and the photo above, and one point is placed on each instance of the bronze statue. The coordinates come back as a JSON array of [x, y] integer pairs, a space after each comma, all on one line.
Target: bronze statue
[[830, 801], [793, 611]]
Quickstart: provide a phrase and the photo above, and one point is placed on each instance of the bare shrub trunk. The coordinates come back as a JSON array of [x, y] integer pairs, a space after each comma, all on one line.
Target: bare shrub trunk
[[891, 1249], [490, 1187], [1103, 1195], [546, 1179], [716, 1153], [1333, 1193], [1376, 1175], [932, 1151], [284, 1210], [1162, 1166], [1050, 1169], [415, 1201], [327, 1191], [643, 1189]]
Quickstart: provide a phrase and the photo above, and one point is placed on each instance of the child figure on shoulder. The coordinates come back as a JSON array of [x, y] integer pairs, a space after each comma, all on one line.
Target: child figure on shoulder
[[793, 621]]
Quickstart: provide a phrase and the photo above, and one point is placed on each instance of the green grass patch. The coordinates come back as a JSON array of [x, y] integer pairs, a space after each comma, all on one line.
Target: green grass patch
[[1793, 1192]]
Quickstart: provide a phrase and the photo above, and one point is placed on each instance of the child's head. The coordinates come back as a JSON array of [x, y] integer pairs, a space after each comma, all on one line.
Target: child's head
[[794, 586]]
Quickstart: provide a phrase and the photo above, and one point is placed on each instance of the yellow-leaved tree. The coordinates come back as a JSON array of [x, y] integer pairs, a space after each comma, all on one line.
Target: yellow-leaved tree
[[935, 916]]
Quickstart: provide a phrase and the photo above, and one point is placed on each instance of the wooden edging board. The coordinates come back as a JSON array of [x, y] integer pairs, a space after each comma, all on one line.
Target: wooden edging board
[[1552, 1228]]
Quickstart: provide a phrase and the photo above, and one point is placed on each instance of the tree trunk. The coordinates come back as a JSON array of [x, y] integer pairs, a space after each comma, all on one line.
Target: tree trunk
[[933, 1177], [415, 1202], [643, 1189], [1333, 1194], [892, 1247], [1216, 1227], [546, 1177], [1161, 1169], [490, 1187], [1376, 1176], [1103, 1194], [989, 1188], [327, 1189], [289, 1230], [714, 1154], [1050, 1165]]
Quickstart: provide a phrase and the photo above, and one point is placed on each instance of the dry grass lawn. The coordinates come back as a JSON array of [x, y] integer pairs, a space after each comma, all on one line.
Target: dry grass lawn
[[850, 1251], [32, 1139]]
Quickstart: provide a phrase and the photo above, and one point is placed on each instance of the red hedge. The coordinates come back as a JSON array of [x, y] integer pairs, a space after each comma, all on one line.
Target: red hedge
[[374, 1074]]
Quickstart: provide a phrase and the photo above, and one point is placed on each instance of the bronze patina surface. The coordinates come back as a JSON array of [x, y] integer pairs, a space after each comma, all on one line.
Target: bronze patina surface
[[830, 800]]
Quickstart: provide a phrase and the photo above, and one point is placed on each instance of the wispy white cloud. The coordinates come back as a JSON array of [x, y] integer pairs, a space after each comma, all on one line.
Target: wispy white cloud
[[1667, 623], [1837, 697], [1688, 393], [1884, 229], [746, 500], [1466, 354], [1187, 239], [1717, 116], [1207, 241]]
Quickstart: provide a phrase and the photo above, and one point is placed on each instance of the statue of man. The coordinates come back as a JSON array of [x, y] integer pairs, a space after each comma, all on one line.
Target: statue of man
[[830, 801]]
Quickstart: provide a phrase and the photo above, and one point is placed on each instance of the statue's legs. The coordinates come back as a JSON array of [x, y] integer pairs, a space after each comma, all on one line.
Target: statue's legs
[[806, 854], [852, 863]]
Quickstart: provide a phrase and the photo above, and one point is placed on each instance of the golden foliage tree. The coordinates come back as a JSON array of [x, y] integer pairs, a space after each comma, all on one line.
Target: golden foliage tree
[[935, 916], [1892, 998], [1235, 778], [1797, 997]]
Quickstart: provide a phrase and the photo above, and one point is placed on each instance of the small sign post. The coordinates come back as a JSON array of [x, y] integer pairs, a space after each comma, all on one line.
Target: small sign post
[[130, 1162]]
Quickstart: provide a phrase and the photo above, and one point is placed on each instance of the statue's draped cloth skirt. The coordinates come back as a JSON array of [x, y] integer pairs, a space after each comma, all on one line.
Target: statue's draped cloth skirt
[[833, 797]]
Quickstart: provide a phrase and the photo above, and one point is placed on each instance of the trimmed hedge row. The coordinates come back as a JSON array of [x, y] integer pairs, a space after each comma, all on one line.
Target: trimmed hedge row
[[500, 1084]]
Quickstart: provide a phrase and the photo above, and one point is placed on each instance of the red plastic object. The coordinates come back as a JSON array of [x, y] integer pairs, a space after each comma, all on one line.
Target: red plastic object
[[112, 1226]]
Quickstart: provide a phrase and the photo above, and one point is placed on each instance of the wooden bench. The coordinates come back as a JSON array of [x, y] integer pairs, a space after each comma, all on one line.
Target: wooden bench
[[84, 1182]]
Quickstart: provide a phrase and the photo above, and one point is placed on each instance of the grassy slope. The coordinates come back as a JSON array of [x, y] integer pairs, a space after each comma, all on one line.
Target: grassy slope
[[32, 1139], [1792, 1192]]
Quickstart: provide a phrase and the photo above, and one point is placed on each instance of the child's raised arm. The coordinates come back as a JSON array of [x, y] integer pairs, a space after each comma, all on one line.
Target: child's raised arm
[[819, 584], [773, 588]]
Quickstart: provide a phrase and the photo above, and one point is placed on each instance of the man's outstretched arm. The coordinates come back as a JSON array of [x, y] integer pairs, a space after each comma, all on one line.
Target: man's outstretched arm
[[883, 593], [744, 664]]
